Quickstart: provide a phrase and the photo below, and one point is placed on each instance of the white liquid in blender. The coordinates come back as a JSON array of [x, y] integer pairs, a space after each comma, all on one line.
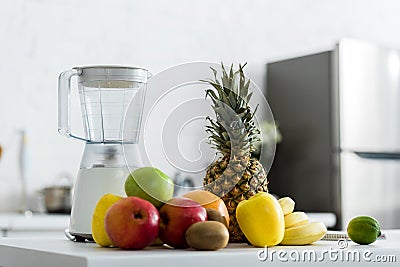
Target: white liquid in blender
[[95, 182]]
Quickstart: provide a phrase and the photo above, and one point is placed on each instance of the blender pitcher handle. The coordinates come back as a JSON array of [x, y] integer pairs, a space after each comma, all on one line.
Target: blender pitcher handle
[[64, 102]]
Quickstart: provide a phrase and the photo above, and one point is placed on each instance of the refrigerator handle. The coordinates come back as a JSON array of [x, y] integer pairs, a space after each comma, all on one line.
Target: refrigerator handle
[[378, 155]]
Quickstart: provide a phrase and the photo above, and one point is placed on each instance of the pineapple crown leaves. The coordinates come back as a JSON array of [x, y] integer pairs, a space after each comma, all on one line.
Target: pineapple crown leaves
[[234, 130]]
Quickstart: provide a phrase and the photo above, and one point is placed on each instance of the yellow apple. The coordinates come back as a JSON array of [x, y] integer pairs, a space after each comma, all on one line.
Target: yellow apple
[[261, 220]]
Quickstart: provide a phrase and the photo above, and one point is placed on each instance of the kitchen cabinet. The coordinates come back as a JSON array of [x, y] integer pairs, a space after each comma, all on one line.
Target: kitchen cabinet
[[15, 252]]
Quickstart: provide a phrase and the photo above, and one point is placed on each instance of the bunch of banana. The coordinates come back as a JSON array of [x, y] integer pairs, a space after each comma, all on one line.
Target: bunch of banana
[[298, 231]]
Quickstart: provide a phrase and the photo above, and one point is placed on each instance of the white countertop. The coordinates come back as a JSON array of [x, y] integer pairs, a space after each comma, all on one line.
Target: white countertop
[[33, 222], [19, 225], [61, 252]]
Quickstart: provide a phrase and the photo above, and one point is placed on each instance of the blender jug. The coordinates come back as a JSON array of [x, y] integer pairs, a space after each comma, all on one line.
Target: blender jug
[[111, 134]]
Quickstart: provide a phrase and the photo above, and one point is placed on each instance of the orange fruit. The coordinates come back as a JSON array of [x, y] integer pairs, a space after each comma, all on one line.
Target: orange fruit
[[209, 201]]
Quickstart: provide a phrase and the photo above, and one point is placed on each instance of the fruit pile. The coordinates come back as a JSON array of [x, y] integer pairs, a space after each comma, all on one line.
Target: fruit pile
[[201, 219], [149, 215]]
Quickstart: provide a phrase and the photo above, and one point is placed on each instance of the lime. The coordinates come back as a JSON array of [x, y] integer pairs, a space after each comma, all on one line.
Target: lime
[[363, 230]]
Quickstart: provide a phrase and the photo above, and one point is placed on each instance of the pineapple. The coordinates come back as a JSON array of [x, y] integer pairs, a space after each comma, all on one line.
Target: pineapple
[[235, 176]]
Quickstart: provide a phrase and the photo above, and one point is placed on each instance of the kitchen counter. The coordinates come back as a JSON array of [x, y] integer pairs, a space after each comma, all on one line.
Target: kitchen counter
[[15, 252], [16, 224]]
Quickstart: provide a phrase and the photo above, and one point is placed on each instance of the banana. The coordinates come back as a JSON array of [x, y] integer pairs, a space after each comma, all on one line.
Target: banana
[[304, 234], [295, 219], [287, 205]]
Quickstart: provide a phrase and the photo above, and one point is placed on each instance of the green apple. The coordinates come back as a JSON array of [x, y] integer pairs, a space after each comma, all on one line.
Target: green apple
[[151, 184]]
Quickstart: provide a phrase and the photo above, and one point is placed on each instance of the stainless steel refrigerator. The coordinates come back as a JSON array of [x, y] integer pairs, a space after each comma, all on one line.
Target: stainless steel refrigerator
[[339, 114]]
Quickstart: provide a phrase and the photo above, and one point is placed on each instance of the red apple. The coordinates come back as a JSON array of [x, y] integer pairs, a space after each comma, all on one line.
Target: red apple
[[132, 223], [176, 215]]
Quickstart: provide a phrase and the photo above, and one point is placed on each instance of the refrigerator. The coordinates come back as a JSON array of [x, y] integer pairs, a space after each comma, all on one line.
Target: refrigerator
[[339, 115]]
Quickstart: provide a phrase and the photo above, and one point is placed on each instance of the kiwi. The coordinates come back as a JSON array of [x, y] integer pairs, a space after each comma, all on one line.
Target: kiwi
[[214, 215], [208, 235]]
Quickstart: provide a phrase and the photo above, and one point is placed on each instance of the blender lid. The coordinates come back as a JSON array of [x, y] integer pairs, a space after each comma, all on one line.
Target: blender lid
[[108, 67], [105, 72]]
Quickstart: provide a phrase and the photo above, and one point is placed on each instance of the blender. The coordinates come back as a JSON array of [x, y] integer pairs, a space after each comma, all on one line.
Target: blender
[[111, 99]]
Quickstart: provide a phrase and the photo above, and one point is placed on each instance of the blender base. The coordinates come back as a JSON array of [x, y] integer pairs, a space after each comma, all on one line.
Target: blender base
[[76, 237]]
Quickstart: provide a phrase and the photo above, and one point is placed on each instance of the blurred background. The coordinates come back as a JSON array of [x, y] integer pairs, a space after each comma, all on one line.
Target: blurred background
[[41, 38]]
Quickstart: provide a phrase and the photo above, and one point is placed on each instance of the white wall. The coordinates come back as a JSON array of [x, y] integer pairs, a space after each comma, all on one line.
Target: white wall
[[41, 38]]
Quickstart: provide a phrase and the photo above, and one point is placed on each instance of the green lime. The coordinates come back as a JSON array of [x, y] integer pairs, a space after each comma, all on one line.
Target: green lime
[[363, 230]]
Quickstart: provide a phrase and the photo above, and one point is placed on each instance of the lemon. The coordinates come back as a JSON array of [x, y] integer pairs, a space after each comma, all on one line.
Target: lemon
[[363, 230], [98, 229]]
